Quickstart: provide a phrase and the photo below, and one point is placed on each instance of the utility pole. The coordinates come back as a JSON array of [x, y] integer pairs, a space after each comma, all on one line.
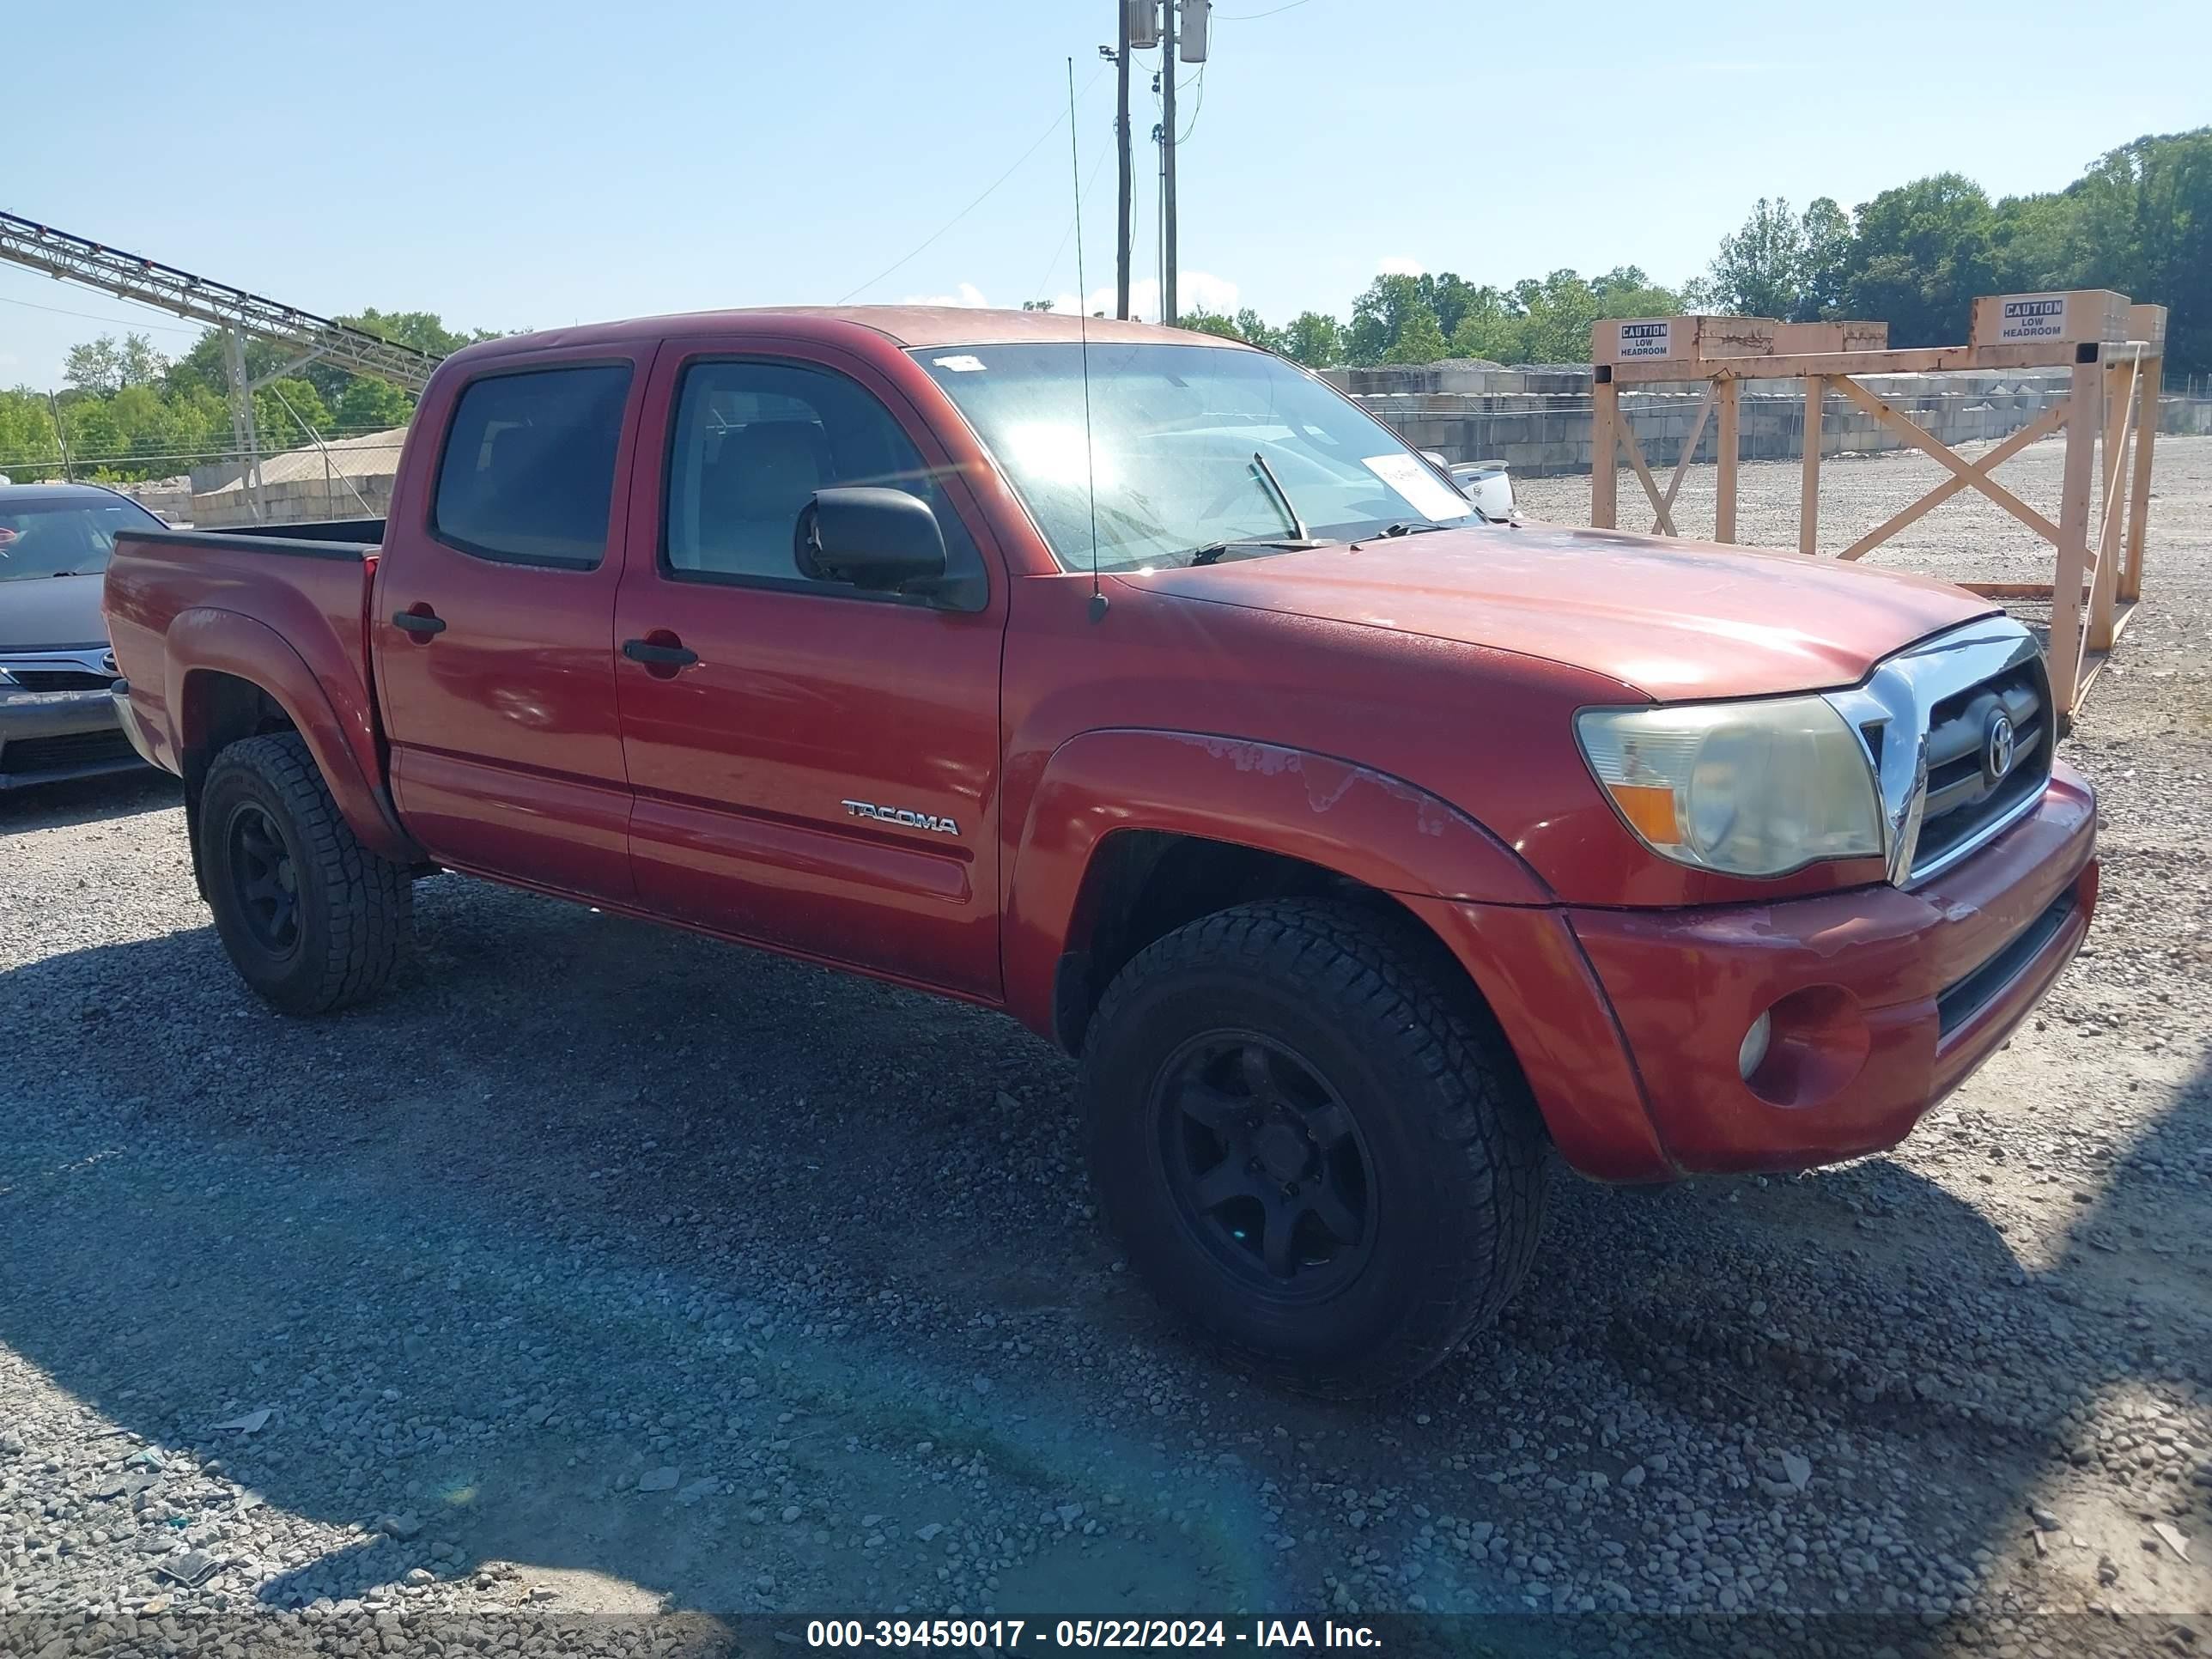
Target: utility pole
[[61, 435], [1169, 312], [1121, 143]]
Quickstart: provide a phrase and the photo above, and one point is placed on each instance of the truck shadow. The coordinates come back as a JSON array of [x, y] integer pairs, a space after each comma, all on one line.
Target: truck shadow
[[677, 1276]]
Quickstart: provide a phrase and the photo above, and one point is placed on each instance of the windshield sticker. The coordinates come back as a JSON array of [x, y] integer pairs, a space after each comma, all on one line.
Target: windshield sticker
[[1429, 496], [963, 364]]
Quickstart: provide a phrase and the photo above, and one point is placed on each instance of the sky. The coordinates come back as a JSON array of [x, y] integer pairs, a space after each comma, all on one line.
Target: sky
[[513, 165]]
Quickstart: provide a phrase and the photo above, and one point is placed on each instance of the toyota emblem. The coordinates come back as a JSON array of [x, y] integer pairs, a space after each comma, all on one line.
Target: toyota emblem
[[1997, 748]]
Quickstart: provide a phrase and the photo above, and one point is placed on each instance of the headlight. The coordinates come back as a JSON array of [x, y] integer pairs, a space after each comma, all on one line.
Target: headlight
[[1748, 788]]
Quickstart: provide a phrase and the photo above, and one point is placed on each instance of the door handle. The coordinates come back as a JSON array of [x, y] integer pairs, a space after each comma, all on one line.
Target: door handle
[[655, 654], [421, 622]]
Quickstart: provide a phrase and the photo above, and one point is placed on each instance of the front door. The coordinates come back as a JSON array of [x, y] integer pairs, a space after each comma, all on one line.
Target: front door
[[493, 626], [814, 767]]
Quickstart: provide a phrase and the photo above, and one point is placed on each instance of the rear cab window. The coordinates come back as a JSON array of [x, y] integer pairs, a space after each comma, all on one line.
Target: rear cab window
[[528, 475]]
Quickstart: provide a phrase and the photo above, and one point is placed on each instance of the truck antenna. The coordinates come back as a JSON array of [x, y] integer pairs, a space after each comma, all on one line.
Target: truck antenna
[[1083, 334]]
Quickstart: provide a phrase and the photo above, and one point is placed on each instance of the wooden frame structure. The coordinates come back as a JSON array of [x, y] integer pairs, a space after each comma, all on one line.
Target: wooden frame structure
[[2113, 348]]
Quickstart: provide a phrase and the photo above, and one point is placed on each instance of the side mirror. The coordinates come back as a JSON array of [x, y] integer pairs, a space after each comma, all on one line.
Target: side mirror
[[883, 540]]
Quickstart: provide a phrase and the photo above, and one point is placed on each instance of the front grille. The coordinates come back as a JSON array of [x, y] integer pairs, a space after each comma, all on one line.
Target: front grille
[[60, 679], [1963, 800], [33, 756]]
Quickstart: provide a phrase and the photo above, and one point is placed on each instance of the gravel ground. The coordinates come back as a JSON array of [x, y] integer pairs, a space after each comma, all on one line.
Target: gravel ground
[[601, 1279]]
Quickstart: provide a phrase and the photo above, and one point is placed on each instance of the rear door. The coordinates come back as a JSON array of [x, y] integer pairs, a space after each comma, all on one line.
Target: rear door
[[493, 625], [815, 767]]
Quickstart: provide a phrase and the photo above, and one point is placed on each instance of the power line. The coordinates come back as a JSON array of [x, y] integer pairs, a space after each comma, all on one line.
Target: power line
[[1200, 80], [1250, 16], [924, 244], [118, 322], [1083, 300]]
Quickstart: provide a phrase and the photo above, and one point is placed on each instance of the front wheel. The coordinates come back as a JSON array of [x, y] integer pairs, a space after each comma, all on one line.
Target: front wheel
[[310, 918], [1308, 1147]]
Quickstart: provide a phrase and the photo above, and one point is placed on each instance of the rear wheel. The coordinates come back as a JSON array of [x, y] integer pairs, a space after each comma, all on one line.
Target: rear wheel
[[310, 918], [1308, 1147]]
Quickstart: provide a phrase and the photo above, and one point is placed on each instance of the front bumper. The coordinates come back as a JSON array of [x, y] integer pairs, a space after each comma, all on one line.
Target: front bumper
[[46, 737], [1628, 1023]]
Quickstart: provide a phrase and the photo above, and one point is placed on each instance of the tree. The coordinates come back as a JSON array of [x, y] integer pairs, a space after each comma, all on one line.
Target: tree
[[1253, 329], [94, 439], [1452, 298], [1314, 339], [1761, 269], [95, 367], [29, 450], [1036, 305], [289, 412], [1420, 339], [1488, 328], [2172, 241], [1918, 256], [141, 365], [1378, 316], [1826, 230], [423, 330], [1555, 314], [1209, 322], [204, 364], [372, 406]]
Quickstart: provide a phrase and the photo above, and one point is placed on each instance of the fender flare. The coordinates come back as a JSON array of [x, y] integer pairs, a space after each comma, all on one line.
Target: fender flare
[[1364, 824], [205, 640]]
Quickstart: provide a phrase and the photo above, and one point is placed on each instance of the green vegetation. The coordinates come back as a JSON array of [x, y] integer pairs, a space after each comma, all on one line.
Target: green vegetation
[[2140, 221], [128, 413]]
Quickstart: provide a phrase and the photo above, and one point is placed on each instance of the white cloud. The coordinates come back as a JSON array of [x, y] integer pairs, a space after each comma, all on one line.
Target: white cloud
[[968, 296], [1401, 267], [1195, 291]]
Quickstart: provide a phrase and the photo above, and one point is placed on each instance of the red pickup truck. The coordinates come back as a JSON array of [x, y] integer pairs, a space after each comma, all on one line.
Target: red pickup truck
[[1141, 686]]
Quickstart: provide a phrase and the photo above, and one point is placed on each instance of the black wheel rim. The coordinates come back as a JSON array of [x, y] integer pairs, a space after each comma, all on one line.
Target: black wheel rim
[[1266, 1164], [264, 880]]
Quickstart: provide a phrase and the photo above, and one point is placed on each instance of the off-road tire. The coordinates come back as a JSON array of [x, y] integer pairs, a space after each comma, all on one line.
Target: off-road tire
[[1447, 1121], [353, 908]]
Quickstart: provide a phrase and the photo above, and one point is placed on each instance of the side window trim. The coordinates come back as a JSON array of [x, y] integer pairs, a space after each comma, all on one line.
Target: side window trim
[[664, 564], [437, 531]]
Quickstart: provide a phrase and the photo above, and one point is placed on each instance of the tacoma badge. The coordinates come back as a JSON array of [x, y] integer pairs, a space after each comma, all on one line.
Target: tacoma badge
[[861, 809]]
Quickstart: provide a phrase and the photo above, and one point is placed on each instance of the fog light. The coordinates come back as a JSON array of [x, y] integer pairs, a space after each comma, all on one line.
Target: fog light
[[1748, 1057]]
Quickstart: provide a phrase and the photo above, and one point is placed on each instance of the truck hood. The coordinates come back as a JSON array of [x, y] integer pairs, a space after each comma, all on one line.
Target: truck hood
[[1674, 619], [44, 613]]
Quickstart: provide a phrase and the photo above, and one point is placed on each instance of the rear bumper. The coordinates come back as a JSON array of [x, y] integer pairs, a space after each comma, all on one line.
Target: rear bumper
[[135, 729], [46, 737], [1882, 1002]]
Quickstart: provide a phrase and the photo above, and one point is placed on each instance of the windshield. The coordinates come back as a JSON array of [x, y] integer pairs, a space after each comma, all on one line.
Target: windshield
[[1179, 436], [63, 539]]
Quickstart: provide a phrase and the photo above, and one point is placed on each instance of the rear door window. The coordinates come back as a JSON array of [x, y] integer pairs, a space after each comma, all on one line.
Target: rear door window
[[529, 469]]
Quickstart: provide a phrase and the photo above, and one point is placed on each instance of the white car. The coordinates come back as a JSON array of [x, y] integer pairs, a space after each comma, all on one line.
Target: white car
[[1486, 483]]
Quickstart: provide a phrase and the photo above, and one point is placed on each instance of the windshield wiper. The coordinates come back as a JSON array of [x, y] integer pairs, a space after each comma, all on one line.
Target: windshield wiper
[[1212, 552], [1282, 496], [1403, 527]]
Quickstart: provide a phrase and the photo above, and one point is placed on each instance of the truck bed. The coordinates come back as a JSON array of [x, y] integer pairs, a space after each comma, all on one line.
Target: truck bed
[[358, 531], [281, 599]]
